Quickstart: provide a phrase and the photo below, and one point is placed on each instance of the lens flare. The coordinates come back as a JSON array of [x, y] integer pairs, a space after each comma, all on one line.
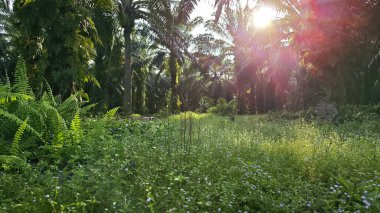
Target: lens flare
[[263, 17]]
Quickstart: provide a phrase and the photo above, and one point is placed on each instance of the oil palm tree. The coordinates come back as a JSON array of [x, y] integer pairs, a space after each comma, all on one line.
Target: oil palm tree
[[163, 17], [171, 27]]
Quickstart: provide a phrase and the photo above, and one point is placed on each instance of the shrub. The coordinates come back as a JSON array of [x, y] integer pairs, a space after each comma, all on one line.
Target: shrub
[[360, 113], [224, 108], [204, 104], [34, 128]]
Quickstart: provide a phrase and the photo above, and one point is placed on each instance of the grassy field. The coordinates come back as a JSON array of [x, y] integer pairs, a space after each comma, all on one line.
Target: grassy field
[[207, 163]]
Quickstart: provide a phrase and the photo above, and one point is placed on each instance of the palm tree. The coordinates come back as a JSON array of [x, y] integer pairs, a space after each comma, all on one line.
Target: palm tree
[[156, 13], [170, 26], [147, 58], [234, 26], [129, 12], [108, 60]]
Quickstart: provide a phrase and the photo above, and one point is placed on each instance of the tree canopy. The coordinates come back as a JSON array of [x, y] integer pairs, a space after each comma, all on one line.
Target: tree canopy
[[143, 55]]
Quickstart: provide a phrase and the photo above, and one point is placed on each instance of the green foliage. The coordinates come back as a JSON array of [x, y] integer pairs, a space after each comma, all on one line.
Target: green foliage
[[363, 113], [111, 113], [16, 120], [174, 103], [205, 103], [20, 89], [224, 108], [309, 115], [278, 162], [15, 147], [75, 126], [60, 43], [38, 127], [13, 163], [87, 109], [48, 95], [21, 84], [7, 96], [200, 163]]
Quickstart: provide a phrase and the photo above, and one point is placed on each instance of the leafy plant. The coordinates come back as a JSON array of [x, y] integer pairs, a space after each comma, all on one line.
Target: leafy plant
[[224, 108], [38, 126], [111, 113]]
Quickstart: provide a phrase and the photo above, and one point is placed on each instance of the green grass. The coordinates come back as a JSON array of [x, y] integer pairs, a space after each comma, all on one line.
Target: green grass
[[207, 163]]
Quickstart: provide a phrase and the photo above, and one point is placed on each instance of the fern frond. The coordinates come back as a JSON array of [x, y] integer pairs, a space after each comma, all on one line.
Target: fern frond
[[69, 107], [15, 147], [111, 113], [57, 125], [32, 110], [53, 114], [6, 95], [75, 126], [75, 123], [5, 87], [19, 122], [84, 110], [21, 83], [12, 162], [48, 95]]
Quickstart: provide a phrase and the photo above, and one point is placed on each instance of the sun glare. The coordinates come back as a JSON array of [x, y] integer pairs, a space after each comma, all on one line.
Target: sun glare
[[263, 17]]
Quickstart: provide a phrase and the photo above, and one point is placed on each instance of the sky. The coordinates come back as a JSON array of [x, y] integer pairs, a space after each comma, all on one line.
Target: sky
[[205, 10]]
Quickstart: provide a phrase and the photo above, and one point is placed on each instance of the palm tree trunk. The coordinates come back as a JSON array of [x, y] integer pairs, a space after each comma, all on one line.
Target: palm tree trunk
[[140, 94], [252, 103], [260, 96], [127, 83], [174, 104]]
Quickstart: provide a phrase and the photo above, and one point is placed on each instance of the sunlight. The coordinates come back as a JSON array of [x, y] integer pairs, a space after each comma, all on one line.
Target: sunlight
[[263, 17]]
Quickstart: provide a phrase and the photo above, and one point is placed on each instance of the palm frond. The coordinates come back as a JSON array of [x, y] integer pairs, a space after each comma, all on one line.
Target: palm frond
[[186, 7]]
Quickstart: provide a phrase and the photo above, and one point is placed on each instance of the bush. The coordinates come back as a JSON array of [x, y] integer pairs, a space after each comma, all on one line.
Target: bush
[[360, 113], [204, 104], [224, 108], [35, 128]]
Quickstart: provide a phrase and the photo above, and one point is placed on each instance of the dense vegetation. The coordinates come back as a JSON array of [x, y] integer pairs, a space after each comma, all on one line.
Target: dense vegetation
[[247, 117], [142, 55], [195, 163]]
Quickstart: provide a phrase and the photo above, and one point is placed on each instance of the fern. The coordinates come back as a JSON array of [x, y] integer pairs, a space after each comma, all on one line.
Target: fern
[[33, 111], [111, 113], [75, 126], [21, 83], [15, 147], [69, 107], [12, 162], [13, 118], [84, 110], [46, 118], [48, 95], [57, 124], [6, 95]]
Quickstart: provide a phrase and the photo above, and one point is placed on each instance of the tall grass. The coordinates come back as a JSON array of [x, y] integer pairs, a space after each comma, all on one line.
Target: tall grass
[[208, 163]]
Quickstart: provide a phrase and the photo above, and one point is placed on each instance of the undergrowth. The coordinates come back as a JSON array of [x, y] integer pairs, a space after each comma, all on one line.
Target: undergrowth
[[206, 163]]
